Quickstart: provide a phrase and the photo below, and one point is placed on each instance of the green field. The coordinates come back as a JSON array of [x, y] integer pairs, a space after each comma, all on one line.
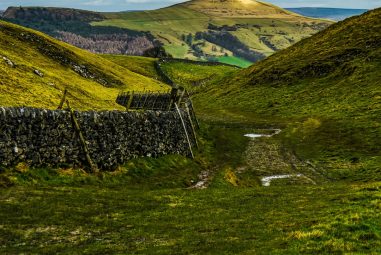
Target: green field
[[195, 76], [235, 61], [140, 65]]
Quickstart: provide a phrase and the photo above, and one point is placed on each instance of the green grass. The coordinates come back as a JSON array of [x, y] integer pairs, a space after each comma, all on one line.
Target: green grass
[[92, 219], [172, 171], [144, 208], [179, 50], [231, 60], [140, 65], [194, 76], [19, 86]]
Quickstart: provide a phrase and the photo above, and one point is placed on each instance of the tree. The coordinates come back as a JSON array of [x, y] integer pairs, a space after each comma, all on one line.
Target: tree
[[189, 39], [157, 52]]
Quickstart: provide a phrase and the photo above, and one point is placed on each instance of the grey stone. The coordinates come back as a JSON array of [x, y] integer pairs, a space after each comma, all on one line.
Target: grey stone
[[9, 62], [38, 72]]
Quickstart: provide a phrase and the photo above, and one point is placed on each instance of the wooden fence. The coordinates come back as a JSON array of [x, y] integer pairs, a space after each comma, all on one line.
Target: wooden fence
[[157, 101], [174, 100]]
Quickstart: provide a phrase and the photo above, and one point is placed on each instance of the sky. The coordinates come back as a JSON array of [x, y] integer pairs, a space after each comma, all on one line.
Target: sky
[[123, 5]]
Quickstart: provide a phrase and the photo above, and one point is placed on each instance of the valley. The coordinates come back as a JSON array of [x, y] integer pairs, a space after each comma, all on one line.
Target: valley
[[288, 158]]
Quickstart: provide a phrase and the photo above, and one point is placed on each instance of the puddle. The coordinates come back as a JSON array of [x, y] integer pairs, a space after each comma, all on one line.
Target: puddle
[[266, 181], [256, 135], [276, 131]]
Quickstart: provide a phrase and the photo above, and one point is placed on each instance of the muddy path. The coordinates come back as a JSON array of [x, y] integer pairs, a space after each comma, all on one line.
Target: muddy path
[[204, 179], [269, 161], [266, 162]]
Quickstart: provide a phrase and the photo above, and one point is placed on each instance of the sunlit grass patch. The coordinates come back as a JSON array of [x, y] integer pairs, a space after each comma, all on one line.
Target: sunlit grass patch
[[307, 235]]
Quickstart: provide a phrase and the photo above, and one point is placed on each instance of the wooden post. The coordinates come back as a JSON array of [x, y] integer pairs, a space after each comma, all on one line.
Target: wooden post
[[63, 99], [191, 122], [125, 97], [180, 98], [154, 102], [193, 112], [185, 130], [77, 128], [147, 97], [139, 102], [165, 99], [130, 101], [173, 98]]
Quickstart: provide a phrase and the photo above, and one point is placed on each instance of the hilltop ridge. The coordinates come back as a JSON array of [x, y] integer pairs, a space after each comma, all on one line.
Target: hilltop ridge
[[239, 9], [53, 13]]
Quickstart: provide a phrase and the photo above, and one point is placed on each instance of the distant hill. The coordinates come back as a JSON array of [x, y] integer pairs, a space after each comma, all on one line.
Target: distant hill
[[52, 14], [231, 31], [238, 9], [217, 30], [72, 26], [35, 69], [328, 13]]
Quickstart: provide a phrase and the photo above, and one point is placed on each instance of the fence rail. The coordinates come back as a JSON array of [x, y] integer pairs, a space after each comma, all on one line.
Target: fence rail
[[157, 101]]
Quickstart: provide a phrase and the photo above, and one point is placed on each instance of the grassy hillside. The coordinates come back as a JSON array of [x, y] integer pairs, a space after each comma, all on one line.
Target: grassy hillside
[[321, 73], [93, 82], [72, 26], [211, 29], [141, 65], [239, 9], [194, 76], [325, 88]]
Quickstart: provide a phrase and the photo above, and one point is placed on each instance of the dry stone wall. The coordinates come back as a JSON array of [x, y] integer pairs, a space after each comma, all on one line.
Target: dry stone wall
[[42, 137]]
